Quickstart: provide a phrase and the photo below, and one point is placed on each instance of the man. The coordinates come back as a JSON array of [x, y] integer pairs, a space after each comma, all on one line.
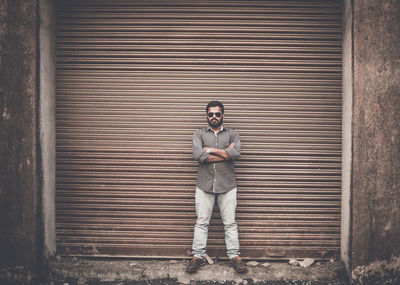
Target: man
[[215, 148]]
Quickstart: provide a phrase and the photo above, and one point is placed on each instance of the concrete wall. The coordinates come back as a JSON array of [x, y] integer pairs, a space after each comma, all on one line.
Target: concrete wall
[[19, 215], [376, 139]]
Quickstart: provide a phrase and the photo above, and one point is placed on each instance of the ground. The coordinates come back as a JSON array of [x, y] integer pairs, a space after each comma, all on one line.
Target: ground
[[135, 271]]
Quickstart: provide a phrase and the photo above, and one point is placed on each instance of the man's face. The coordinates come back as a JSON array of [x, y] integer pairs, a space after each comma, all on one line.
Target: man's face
[[215, 117]]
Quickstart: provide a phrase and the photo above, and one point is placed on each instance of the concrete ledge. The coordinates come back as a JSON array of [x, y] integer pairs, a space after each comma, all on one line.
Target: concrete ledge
[[94, 271]]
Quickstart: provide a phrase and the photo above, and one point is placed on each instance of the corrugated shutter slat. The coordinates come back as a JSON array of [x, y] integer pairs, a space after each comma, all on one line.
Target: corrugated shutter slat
[[133, 80]]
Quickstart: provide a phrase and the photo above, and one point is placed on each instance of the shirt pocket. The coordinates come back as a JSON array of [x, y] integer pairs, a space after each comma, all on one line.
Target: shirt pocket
[[224, 141]]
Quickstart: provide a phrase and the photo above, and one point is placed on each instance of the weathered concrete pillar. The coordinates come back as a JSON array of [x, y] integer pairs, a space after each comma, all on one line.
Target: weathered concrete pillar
[[19, 187], [47, 124], [347, 131], [376, 139]]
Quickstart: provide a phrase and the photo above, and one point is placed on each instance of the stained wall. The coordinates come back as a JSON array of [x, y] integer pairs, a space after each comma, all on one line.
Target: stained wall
[[376, 134], [19, 229]]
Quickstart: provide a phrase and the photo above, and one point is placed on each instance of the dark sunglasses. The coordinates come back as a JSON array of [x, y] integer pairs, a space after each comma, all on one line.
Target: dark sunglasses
[[217, 114]]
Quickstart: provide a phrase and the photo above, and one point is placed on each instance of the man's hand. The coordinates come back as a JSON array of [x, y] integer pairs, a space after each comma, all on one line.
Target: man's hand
[[217, 154], [215, 150], [214, 158]]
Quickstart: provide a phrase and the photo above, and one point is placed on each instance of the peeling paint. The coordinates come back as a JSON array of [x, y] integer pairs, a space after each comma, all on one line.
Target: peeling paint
[[378, 272], [16, 275], [6, 115]]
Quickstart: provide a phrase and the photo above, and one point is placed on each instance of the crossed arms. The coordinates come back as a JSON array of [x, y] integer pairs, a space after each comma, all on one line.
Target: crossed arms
[[216, 154]]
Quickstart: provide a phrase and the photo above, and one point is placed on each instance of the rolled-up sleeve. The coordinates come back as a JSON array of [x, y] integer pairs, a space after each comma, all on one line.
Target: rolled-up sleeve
[[198, 153], [234, 153]]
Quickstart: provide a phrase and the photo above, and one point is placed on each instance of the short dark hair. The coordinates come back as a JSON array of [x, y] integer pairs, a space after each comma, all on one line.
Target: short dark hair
[[215, 104]]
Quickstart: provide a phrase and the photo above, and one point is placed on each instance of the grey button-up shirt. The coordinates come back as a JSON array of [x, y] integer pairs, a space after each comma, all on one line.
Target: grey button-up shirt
[[216, 177]]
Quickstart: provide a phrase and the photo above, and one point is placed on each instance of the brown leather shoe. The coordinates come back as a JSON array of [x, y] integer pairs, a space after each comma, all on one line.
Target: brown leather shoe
[[195, 264], [238, 265]]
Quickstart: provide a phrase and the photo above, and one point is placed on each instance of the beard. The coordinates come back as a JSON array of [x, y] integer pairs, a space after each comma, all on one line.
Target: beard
[[215, 124]]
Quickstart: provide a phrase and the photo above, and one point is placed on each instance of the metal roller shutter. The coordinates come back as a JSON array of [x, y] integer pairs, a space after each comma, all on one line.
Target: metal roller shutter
[[133, 79]]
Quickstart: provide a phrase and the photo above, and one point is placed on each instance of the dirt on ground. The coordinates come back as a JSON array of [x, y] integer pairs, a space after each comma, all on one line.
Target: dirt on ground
[[71, 271]]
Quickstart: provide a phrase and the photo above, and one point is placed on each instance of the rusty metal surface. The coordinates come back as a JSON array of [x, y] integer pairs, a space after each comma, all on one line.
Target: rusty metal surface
[[133, 79]]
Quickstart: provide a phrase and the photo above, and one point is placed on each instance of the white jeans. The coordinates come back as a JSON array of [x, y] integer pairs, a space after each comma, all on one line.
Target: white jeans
[[204, 209]]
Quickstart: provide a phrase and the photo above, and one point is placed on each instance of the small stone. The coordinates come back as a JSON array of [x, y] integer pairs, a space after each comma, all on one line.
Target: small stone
[[173, 261], [331, 260], [252, 263], [132, 264], [306, 262], [293, 262], [245, 282], [266, 264]]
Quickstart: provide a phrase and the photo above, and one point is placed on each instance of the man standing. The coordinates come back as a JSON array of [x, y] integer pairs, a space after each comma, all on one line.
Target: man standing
[[215, 148]]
